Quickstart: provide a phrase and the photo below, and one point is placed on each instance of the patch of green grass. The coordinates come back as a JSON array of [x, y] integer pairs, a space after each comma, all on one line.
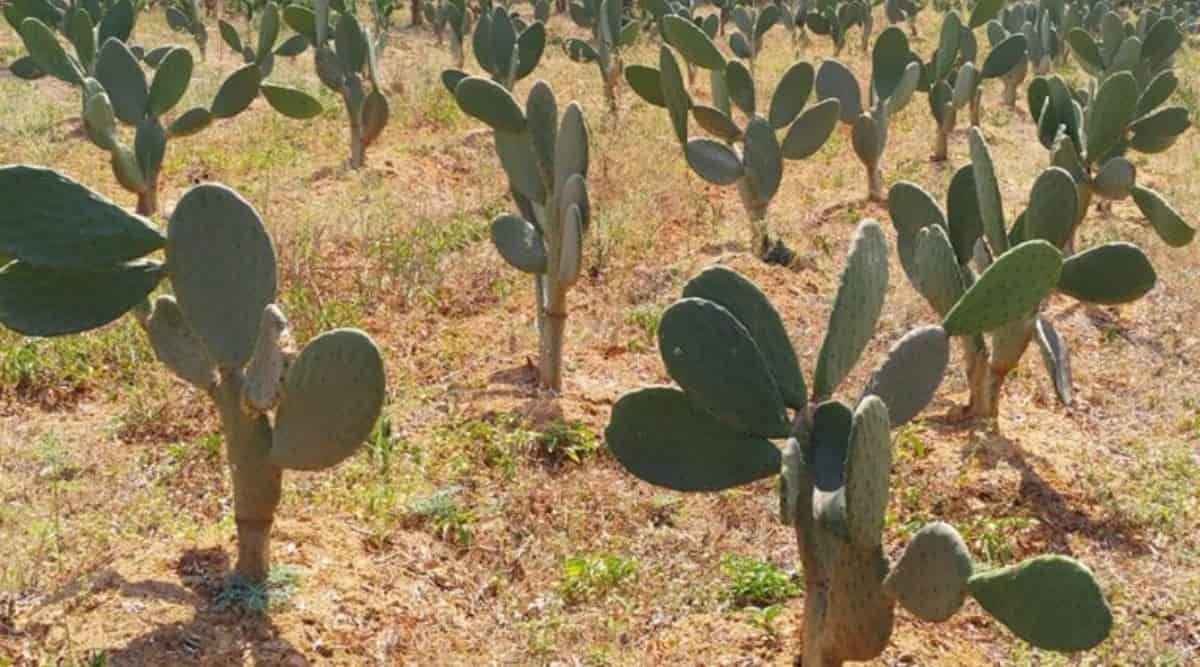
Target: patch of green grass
[[412, 257], [754, 583], [310, 312], [561, 441], [645, 318], [444, 515], [117, 354], [992, 540], [259, 598], [594, 576]]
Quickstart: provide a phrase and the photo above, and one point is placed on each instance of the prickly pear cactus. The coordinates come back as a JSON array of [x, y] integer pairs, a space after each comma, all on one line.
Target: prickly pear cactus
[[504, 47], [261, 49], [611, 33], [749, 155], [895, 76], [989, 281], [183, 16], [738, 376], [545, 158], [79, 264]]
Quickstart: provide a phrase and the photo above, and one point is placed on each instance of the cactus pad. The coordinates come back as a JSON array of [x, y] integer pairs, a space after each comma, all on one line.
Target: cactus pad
[[1011, 288], [331, 400], [856, 308], [911, 373], [714, 358], [1112, 273], [266, 370], [177, 346], [1166, 221], [962, 214], [1052, 204], [1052, 602], [1056, 357], [868, 468], [171, 81], [237, 92], [987, 190], [1110, 113], [811, 130], [119, 72], [489, 102], [866, 136], [661, 437], [713, 161], [519, 243], [836, 82], [791, 95], [222, 266], [937, 275], [831, 427], [911, 209], [39, 301], [1116, 178], [646, 82], [692, 43], [930, 579], [763, 161], [750, 306]]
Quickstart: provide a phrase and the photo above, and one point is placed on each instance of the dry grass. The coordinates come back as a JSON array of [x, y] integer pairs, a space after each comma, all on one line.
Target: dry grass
[[114, 504]]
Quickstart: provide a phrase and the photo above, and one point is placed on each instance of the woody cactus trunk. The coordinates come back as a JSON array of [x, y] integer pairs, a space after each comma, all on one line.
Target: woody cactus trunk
[[738, 375], [80, 263]]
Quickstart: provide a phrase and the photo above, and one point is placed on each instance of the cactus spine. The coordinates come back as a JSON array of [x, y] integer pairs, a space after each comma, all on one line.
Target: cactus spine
[[79, 264], [738, 376]]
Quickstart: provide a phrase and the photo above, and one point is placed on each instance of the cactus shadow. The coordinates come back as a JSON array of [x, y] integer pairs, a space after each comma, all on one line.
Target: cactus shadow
[[1060, 515], [214, 633]]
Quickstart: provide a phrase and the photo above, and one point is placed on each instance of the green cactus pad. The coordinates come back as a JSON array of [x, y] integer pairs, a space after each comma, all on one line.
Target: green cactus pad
[[1109, 113], [100, 121], [646, 82], [519, 161], [570, 263], [867, 138], [574, 193], [911, 209], [125, 168], [674, 92], [1115, 179], [1056, 357], [50, 220], [1052, 204], [237, 92], [291, 102], [962, 214], [831, 426], [25, 68], [1087, 53], [48, 54], [519, 243], [751, 307], [190, 122], [692, 43], [331, 401], [1166, 221], [889, 60], [171, 81], [1162, 41], [762, 158], [118, 71], [375, 116], [489, 102], [937, 275], [714, 358], [451, 78], [40, 301], [1159, 90], [1052, 602], [791, 95], [908, 85], [78, 28], [837, 82], [911, 373], [987, 191], [150, 146], [530, 45], [266, 371], [811, 130], [861, 617], [1157, 131], [660, 437], [177, 346], [350, 43], [930, 579], [1004, 57], [713, 161], [1112, 273], [222, 267], [948, 47], [717, 123], [541, 111], [571, 148], [741, 86], [984, 11], [856, 308], [1011, 288], [868, 467]]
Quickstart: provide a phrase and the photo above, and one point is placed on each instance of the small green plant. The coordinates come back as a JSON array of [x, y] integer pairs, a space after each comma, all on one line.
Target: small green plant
[[563, 441], [750, 156], [764, 619], [755, 583], [259, 597], [738, 375], [443, 514], [610, 35], [594, 576], [894, 79], [80, 262]]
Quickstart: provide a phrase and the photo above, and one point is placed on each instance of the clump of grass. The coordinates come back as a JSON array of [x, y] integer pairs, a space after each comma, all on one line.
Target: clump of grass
[[594, 576], [444, 515], [259, 597], [756, 583], [561, 441]]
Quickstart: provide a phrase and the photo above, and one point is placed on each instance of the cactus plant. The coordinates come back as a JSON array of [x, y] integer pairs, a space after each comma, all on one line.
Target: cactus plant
[[610, 35], [454, 15], [346, 63], [184, 16], [834, 18], [117, 93], [546, 161], [757, 169], [738, 375], [79, 262], [1019, 267], [752, 27], [792, 16], [264, 51], [998, 34], [894, 78], [504, 47], [899, 11], [85, 27]]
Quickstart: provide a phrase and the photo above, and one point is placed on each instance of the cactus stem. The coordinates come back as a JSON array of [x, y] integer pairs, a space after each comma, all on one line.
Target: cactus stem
[[147, 202], [358, 152], [875, 183], [550, 367]]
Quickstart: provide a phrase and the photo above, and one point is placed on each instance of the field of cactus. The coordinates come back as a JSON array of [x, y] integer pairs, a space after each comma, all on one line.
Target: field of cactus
[[922, 389]]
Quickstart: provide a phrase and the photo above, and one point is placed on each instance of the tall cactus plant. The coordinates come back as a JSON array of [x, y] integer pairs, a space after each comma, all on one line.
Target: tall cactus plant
[[610, 35], [757, 168], [738, 376], [894, 78], [1015, 269], [546, 161], [80, 262]]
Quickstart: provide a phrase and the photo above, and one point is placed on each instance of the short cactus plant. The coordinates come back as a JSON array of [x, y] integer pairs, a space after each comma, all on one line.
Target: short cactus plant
[[183, 16], [346, 63], [900, 11], [757, 168], [834, 18], [1019, 267], [894, 78], [792, 16], [38, 22], [81, 262], [546, 161], [504, 47], [452, 16], [738, 375], [610, 35], [261, 49], [997, 35], [752, 27]]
